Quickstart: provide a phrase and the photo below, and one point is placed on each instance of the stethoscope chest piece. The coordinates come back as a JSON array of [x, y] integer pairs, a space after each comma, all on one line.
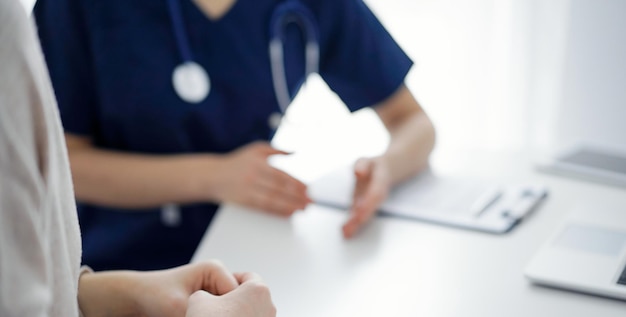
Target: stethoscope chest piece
[[274, 120], [191, 82]]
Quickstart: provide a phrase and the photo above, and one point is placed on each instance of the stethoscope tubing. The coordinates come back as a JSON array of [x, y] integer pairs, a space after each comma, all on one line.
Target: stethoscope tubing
[[180, 32], [289, 12]]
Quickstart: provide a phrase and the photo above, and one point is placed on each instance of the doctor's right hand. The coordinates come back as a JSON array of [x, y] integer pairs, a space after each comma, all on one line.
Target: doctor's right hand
[[245, 177]]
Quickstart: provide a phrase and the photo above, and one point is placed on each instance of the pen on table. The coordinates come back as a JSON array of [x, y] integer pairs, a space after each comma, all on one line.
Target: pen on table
[[485, 201]]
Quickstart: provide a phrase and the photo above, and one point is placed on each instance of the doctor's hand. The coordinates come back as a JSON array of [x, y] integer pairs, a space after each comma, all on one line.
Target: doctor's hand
[[373, 183], [247, 178]]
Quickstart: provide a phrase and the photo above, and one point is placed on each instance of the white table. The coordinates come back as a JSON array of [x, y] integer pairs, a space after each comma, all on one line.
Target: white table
[[407, 268]]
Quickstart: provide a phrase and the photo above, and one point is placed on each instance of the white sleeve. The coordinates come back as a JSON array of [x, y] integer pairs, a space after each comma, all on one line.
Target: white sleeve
[[24, 268]]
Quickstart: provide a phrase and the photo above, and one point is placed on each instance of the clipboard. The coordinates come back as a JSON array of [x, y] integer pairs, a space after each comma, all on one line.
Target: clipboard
[[451, 201]]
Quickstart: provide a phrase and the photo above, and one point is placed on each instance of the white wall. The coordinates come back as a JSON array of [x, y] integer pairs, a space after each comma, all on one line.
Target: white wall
[[470, 72], [549, 29], [516, 74], [593, 103]]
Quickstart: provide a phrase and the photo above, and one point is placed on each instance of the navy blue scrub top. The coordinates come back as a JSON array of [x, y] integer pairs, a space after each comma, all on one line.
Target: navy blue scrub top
[[111, 64]]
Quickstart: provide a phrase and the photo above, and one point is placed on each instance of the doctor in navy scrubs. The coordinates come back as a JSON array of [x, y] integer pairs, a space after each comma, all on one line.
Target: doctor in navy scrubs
[[152, 156]]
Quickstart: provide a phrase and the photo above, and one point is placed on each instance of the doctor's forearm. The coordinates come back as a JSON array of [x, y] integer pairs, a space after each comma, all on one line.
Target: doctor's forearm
[[134, 181], [127, 180], [138, 181], [412, 135], [411, 144]]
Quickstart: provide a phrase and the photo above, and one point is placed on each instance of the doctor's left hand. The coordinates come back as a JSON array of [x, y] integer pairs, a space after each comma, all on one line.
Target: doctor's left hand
[[373, 183]]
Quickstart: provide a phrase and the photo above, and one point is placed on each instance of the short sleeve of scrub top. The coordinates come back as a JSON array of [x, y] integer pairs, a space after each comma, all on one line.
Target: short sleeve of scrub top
[[111, 63], [360, 60]]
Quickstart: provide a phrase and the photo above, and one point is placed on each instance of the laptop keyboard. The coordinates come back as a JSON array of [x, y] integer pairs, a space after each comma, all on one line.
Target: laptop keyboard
[[622, 277]]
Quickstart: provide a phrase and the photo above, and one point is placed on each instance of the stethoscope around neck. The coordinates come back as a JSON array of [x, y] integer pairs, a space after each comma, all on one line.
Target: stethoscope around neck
[[192, 83]]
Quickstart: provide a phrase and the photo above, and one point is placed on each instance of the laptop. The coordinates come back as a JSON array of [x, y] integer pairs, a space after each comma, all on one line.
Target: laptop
[[586, 254], [588, 162]]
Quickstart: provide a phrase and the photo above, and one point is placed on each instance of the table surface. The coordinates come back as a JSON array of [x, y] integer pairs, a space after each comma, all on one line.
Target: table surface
[[398, 267]]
